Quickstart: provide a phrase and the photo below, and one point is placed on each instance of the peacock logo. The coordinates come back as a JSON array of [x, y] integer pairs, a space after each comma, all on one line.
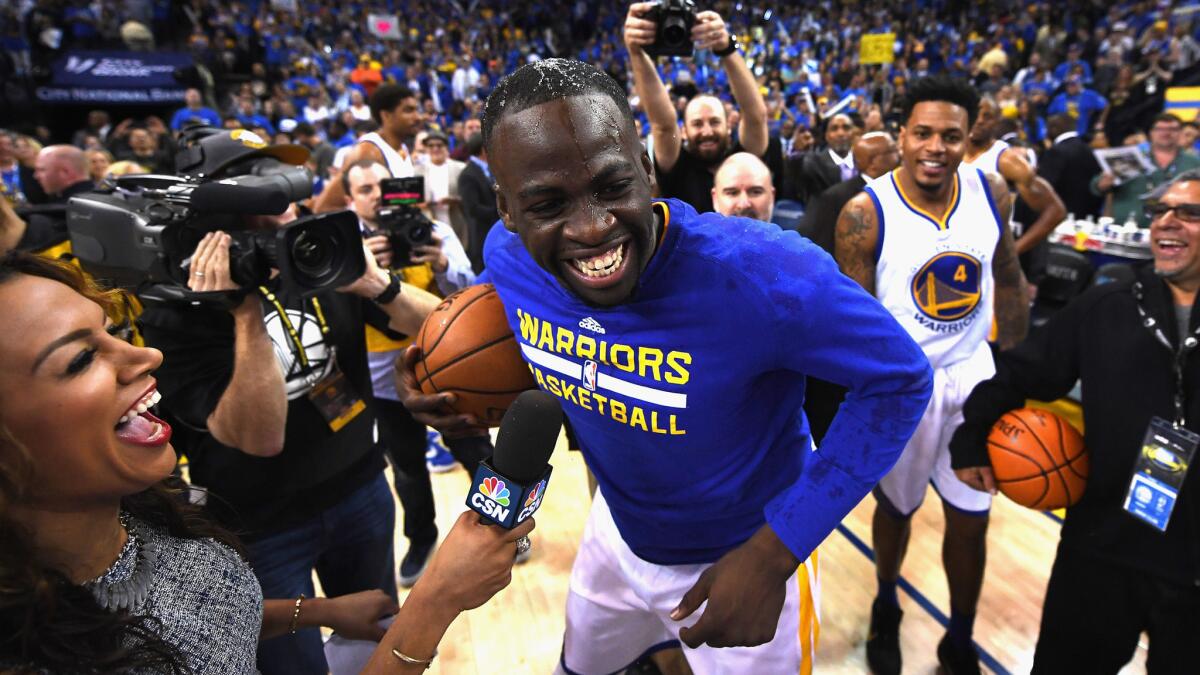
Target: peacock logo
[[493, 488], [534, 495]]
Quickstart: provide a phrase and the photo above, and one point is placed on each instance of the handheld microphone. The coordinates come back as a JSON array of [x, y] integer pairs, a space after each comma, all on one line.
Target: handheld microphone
[[509, 487]]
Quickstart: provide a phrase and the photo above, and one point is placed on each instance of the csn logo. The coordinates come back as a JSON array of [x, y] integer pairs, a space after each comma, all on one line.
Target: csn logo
[[492, 498], [532, 502]]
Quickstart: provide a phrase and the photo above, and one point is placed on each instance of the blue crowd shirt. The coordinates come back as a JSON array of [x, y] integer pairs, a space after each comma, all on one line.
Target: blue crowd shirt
[[1081, 106], [202, 114], [686, 399]]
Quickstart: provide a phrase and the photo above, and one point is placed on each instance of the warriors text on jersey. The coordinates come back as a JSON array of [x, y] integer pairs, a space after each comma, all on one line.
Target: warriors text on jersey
[[686, 398]]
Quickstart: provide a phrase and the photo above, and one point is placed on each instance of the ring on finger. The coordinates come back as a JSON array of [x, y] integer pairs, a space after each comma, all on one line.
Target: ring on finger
[[198, 274], [523, 545]]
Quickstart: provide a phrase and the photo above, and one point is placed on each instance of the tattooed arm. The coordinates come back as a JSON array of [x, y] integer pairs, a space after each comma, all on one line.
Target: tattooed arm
[[1012, 304], [855, 240]]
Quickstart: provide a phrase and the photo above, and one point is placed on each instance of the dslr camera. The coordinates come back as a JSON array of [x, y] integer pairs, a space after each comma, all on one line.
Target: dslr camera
[[140, 232], [673, 33], [401, 219]]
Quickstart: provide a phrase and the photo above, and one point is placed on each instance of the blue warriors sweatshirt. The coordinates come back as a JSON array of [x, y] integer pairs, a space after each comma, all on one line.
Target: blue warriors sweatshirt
[[686, 399]]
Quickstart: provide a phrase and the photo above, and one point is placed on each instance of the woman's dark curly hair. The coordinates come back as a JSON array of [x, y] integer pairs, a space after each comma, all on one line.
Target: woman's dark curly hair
[[47, 622]]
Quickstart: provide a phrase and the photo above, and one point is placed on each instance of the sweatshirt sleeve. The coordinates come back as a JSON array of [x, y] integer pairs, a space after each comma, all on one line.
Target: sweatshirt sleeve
[[1043, 367], [827, 326]]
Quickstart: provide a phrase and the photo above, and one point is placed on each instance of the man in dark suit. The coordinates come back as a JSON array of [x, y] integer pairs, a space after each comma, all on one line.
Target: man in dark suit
[[811, 173], [478, 199], [874, 155], [1069, 166]]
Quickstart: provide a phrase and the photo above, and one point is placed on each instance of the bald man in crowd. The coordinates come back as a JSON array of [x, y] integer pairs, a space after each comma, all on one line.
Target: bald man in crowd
[[62, 171], [743, 187], [685, 163], [874, 154]]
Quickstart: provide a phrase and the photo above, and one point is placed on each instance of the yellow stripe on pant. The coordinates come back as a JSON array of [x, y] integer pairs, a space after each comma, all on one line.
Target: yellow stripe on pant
[[809, 582]]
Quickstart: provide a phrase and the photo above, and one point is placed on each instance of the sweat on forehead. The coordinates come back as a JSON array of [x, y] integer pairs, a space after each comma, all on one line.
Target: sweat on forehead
[[546, 80], [583, 125]]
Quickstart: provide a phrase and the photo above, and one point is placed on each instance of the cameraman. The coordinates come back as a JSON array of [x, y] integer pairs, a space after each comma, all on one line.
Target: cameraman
[[441, 268], [270, 401], [685, 171]]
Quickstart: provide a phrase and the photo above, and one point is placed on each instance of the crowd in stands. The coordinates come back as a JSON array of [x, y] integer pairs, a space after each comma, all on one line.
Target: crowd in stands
[[283, 72]]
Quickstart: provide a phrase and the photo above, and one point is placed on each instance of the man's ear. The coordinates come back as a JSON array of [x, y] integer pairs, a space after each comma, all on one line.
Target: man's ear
[[648, 167], [502, 209]]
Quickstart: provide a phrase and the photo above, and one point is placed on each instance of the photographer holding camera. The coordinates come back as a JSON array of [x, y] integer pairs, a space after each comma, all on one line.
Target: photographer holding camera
[[441, 267], [685, 170], [269, 400]]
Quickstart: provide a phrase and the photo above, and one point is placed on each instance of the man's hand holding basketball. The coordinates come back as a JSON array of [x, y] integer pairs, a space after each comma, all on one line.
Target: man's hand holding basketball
[[745, 591], [431, 409], [979, 477]]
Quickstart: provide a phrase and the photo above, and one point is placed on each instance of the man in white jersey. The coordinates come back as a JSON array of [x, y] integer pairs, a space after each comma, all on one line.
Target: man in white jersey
[[931, 241], [395, 108], [986, 152]]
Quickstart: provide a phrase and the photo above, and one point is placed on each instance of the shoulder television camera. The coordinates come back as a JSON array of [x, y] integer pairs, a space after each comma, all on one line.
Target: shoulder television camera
[[401, 219], [140, 232], [673, 34]]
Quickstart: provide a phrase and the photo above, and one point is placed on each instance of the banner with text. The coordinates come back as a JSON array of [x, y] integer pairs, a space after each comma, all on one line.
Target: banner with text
[[120, 78], [877, 48]]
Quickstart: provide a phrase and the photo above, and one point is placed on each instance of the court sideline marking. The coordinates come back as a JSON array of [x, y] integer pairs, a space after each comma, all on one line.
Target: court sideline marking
[[922, 601]]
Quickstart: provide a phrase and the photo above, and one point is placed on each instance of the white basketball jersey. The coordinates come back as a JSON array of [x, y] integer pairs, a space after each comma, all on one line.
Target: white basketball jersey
[[989, 161], [398, 162], [933, 272]]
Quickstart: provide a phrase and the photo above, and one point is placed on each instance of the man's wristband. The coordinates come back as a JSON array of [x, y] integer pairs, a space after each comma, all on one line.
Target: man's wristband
[[727, 49], [393, 289]]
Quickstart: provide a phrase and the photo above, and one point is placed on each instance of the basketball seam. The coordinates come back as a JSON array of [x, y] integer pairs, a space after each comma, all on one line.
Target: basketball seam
[[1058, 471], [1033, 433], [455, 318], [472, 352], [1017, 453]]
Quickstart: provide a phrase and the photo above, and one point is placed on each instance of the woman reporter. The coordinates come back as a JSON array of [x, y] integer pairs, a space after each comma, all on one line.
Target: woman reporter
[[103, 565]]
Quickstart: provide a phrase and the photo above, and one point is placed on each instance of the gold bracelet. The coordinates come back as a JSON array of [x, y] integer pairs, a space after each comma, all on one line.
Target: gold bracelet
[[296, 614], [416, 662]]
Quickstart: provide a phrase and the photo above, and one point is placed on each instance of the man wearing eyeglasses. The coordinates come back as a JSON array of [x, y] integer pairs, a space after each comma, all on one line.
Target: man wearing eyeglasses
[[1128, 560]]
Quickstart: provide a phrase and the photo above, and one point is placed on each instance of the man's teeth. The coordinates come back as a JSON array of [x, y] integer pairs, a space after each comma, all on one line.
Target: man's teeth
[[141, 406], [932, 165], [1170, 243], [601, 265]]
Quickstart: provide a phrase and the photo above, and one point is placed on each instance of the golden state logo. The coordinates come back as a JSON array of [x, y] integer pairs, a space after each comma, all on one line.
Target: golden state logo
[[947, 288]]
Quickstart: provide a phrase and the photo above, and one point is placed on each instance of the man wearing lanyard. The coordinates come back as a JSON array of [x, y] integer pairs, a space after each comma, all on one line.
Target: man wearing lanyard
[[1129, 558]]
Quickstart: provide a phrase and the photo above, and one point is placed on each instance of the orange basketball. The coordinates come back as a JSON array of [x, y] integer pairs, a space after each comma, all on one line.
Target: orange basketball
[[1038, 459], [468, 349]]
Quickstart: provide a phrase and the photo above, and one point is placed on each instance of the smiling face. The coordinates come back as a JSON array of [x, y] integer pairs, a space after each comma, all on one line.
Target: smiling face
[[65, 387], [575, 184], [1175, 236], [706, 129], [932, 143]]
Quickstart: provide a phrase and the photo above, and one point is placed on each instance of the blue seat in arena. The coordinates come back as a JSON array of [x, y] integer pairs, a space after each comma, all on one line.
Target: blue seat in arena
[[788, 214]]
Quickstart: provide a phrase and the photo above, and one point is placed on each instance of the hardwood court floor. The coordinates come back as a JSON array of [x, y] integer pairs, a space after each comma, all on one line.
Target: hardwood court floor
[[520, 631]]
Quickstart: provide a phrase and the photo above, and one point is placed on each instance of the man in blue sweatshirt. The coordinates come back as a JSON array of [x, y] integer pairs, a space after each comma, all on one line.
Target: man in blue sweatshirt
[[679, 345]]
